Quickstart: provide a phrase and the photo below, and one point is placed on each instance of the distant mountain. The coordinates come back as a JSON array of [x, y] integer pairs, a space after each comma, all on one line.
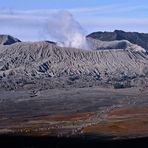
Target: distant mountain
[[8, 40], [96, 44], [140, 39]]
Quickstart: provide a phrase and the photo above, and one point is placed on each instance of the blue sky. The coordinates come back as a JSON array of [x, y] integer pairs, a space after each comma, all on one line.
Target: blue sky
[[27, 19], [55, 4]]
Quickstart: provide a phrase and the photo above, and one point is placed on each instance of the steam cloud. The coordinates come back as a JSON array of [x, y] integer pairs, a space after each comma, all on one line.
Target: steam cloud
[[64, 29]]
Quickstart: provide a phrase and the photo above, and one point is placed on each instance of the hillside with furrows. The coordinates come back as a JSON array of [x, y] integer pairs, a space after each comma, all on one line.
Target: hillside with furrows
[[35, 62]]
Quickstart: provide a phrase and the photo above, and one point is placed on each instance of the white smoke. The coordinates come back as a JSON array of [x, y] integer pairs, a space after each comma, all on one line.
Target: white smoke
[[66, 31]]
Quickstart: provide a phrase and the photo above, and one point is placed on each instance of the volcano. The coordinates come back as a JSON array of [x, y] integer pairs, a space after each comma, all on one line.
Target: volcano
[[49, 90]]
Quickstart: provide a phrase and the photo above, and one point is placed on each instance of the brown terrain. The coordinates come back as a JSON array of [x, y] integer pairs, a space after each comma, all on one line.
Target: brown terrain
[[123, 122], [120, 122], [119, 113]]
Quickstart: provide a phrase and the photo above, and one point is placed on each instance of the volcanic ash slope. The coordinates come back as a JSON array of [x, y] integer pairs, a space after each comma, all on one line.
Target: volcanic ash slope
[[43, 64]]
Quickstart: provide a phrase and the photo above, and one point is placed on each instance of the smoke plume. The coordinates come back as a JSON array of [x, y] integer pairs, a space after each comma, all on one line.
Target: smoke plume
[[66, 31]]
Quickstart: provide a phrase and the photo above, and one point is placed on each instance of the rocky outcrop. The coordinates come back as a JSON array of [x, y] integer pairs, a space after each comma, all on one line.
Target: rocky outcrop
[[140, 39], [8, 40]]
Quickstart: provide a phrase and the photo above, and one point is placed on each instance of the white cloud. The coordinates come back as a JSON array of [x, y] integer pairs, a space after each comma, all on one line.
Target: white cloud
[[30, 24]]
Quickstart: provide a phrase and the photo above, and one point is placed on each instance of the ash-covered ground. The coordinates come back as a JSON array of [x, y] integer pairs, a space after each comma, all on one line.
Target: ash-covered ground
[[48, 90]]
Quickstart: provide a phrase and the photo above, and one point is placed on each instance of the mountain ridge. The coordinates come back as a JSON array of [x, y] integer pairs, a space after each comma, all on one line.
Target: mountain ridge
[[37, 62], [140, 39], [8, 40]]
